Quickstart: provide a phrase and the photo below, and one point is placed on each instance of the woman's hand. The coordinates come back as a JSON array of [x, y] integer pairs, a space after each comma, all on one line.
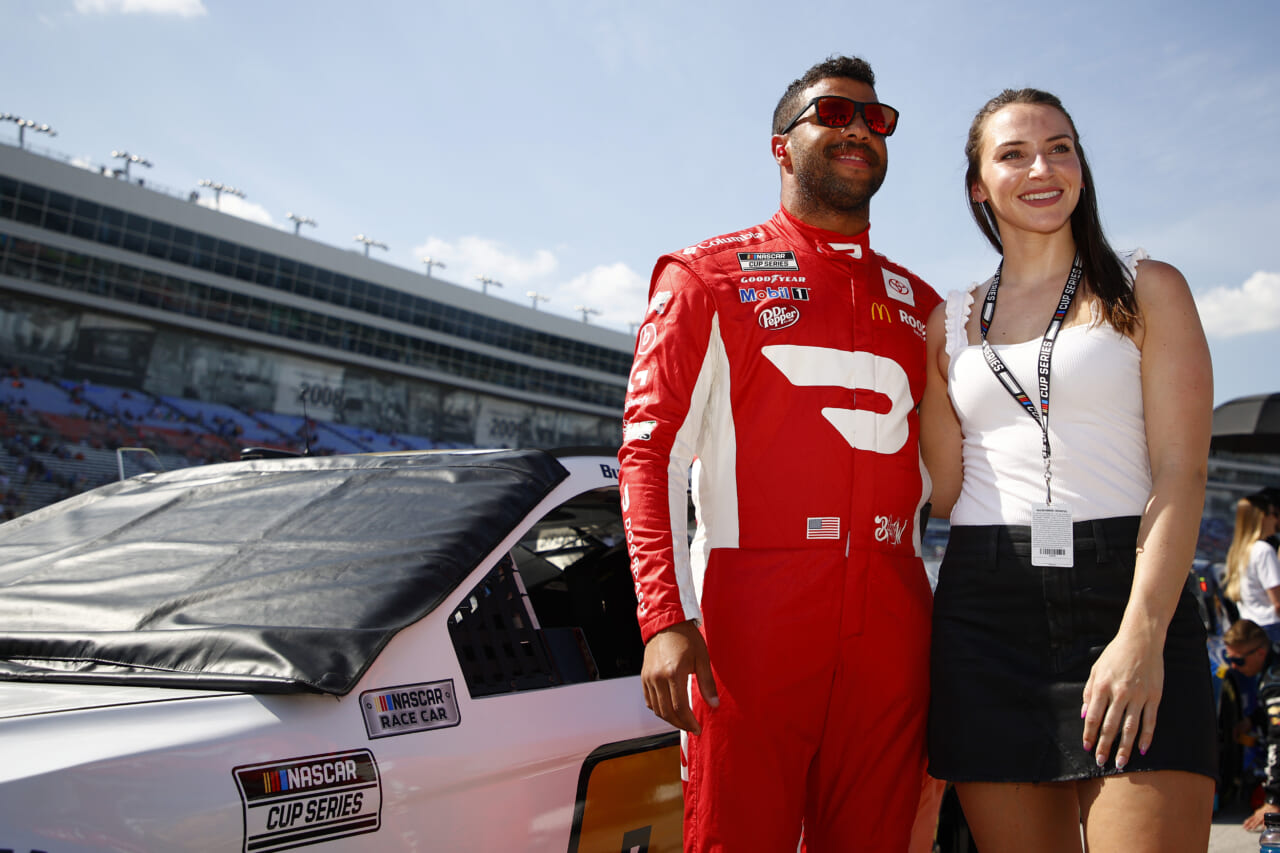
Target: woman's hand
[[1122, 696]]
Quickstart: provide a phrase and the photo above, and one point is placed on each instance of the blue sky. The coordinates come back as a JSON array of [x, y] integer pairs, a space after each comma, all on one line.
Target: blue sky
[[560, 147]]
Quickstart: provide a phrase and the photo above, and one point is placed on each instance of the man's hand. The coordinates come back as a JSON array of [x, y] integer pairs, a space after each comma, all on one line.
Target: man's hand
[[1255, 821], [671, 656]]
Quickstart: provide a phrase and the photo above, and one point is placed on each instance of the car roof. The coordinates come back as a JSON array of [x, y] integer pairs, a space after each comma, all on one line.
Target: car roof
[[272, 575]]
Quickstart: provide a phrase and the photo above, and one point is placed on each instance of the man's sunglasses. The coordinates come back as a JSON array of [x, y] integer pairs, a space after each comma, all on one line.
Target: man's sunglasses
[[1238, 661], [835, 111]]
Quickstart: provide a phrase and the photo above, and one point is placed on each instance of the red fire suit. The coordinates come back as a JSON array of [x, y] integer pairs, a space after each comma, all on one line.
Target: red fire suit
[[780, 368]]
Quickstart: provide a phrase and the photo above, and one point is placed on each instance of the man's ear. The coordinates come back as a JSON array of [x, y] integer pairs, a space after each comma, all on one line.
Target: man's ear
[[781, 153]]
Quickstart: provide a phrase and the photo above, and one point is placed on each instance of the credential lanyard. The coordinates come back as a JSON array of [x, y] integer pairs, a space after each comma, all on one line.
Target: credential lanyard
[[1041, 413]]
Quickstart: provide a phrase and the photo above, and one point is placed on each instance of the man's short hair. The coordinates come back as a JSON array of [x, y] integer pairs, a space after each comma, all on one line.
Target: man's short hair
[[1245, 633], [847, 67]]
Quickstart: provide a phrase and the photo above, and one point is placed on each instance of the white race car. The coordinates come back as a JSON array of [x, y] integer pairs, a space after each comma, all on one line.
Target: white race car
[[415, 651]]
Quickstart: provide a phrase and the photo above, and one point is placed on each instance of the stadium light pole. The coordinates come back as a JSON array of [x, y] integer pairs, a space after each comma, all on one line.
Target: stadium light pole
[[23, 124], [535, 297], [369, 241], [299, 221], [485, 281], [130, 158], [218, 190], [586, 312], [432, 262]]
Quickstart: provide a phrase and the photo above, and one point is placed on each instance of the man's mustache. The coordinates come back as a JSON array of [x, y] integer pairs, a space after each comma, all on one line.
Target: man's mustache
[[865, 151]]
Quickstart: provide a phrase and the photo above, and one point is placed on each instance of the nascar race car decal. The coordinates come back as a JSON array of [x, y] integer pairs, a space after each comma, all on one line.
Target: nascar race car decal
[[409, 708]]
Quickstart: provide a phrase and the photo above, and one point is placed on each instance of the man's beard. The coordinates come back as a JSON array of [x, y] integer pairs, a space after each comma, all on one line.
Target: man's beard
[[822, 187]]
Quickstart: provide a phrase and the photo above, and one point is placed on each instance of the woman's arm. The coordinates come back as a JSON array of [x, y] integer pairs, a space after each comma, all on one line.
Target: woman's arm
[[940, 436], [1124, 690], [1265, 568], [1274, 595]]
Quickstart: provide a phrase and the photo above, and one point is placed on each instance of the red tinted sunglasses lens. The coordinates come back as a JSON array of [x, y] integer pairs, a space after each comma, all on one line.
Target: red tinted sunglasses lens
[[880, 118], [840, 112], [835, 112]]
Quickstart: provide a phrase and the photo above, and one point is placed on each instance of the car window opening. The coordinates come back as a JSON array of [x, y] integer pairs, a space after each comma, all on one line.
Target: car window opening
[[558, 609]]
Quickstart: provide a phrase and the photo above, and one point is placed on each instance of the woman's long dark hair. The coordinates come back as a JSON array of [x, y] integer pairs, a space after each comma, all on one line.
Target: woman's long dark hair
[[1103, 271]]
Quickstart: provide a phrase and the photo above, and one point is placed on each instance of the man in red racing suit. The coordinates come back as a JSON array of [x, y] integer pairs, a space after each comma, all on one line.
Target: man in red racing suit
[[783, 365]]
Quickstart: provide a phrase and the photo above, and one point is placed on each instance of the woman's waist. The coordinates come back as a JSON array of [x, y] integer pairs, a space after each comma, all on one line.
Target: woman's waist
[[1094, 534], [987, 497]]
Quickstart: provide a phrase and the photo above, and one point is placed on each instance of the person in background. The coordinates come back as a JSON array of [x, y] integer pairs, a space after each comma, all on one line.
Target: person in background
[[1252, 575], [1272, 495], [1066, 429], [1251, 655], [784, 363]]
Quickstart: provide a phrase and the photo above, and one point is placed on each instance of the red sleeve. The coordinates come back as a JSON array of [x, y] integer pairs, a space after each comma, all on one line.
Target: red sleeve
[[666, 396]]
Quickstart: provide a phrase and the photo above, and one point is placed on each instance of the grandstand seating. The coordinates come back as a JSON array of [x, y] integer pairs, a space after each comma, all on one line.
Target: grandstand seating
[[227, 421], [36, 395], [61, 436], [402, 441], [118, 402], [325, 437]]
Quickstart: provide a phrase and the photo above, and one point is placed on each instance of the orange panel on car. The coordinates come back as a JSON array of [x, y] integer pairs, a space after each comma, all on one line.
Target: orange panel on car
[[630, 799]]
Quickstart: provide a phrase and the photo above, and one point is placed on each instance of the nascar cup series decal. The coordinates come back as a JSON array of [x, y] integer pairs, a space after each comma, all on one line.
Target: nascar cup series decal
[[297, 801], [409, 708], [767, 261]]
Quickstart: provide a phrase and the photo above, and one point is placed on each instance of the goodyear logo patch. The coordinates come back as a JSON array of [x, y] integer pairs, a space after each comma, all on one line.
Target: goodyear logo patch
[[409, 708], [767, 261], [297, 801]]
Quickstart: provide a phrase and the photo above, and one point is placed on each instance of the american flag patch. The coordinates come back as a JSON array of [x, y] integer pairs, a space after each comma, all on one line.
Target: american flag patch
[[823, 528]]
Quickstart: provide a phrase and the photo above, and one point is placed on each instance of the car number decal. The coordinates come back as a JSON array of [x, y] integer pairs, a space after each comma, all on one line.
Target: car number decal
[[294, 802], [409, 708]]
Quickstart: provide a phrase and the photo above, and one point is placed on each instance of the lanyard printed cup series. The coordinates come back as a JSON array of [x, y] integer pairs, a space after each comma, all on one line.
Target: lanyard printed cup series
[[1051, 542]]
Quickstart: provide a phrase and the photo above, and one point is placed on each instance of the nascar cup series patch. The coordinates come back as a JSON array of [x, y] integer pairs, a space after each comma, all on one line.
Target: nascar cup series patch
[[299, 801], [750, 261]]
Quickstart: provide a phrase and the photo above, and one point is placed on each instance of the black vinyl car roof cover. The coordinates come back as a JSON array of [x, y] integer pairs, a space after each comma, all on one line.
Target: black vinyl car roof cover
[[267, 576]]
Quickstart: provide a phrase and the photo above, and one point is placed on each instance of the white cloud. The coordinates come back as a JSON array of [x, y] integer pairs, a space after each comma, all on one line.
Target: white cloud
[[1252, 307], [469, 257], [614, 294], [181, 8], [236, 206], [616, 291]]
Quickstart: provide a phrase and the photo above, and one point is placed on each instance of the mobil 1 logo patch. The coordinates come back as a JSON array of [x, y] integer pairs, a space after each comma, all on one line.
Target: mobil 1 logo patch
[[299, 801], [767, 261], [409, 708]]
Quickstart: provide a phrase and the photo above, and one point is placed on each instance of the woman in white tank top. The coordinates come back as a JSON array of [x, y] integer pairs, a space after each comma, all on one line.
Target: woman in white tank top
[[1067, 437]]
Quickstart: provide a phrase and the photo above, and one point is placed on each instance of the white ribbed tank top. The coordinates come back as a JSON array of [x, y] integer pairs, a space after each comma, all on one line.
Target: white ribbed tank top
[[1097, 434]]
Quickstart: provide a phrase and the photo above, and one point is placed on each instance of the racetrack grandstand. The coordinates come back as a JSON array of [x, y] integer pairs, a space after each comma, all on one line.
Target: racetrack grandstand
[[131, 316]]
